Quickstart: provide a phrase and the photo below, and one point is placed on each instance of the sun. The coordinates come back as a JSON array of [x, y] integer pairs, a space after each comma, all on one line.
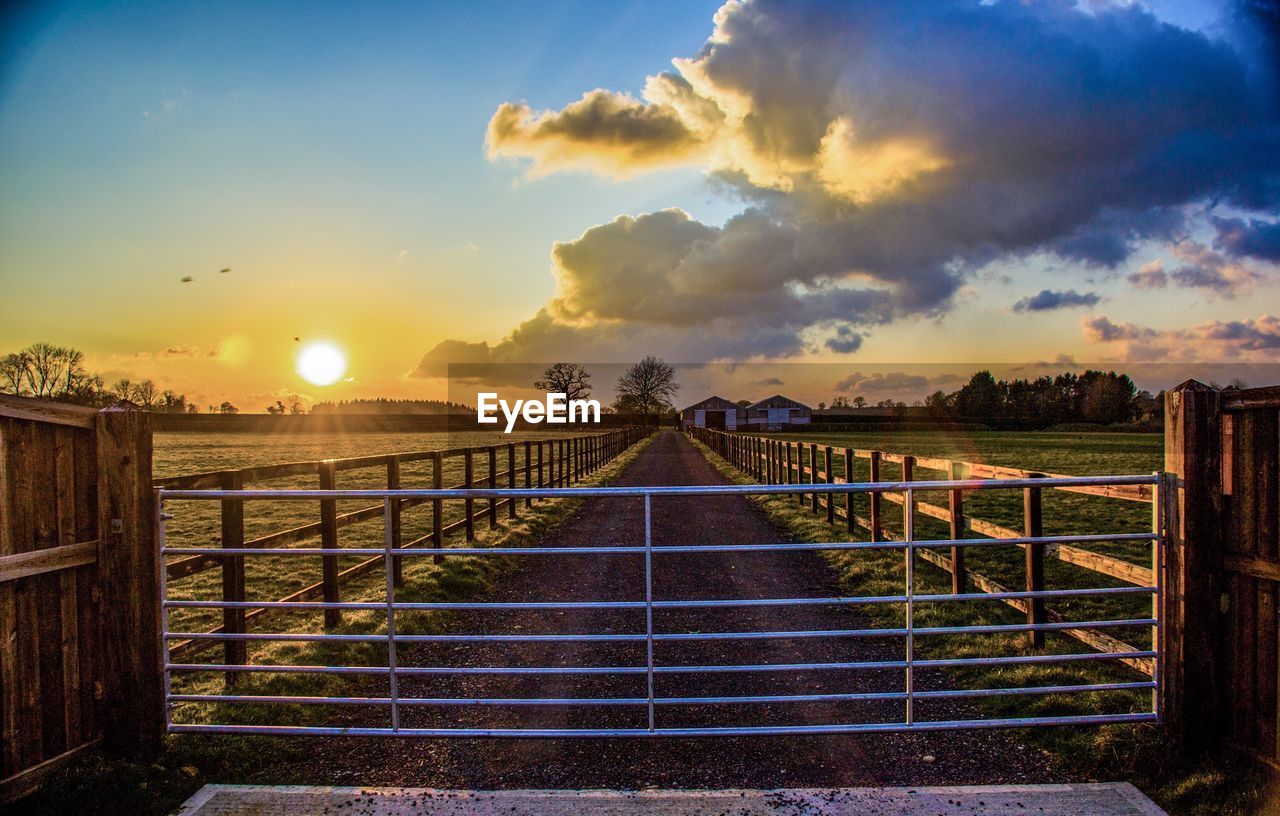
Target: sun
[[321, 363]]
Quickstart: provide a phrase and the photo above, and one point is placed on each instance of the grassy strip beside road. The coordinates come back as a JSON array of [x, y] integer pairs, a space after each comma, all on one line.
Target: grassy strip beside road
[[1134, 753]]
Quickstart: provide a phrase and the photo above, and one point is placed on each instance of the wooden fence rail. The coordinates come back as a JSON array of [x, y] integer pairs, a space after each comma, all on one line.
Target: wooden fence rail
[[783, 462], [559, 462]]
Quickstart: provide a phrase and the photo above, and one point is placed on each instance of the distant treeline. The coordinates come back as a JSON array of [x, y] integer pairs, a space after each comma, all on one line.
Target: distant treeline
[[52, 372], [382, 405], [1100, 397]]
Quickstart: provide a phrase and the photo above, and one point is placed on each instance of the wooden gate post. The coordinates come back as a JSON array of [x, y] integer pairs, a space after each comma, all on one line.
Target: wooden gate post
[[129, 580], [1191, 618], [328, 475]]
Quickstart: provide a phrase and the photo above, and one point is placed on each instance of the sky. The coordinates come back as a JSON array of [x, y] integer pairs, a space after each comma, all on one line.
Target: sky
[[829, 189]]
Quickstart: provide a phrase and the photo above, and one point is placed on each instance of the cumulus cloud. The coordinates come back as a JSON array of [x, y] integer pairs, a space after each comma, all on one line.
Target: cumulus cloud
[[1150, 275], [1248, 340], [1048, 300], [880, 161], [1205, 269], [1248, 238], [605, 132]]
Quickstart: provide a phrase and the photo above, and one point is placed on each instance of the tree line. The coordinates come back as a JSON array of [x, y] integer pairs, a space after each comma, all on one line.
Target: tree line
[[53, 372], [1103, 397]]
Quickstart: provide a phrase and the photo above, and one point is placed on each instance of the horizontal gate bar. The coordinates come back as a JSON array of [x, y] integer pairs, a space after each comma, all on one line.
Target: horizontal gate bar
[[669, 490], [228, 552], [727, 731]]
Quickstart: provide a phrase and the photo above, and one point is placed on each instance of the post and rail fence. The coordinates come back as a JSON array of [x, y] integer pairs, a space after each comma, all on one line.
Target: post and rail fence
[[778, 461], [536, 463]]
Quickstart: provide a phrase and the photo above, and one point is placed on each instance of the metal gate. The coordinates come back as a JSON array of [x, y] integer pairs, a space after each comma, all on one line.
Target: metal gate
[[905, 695]]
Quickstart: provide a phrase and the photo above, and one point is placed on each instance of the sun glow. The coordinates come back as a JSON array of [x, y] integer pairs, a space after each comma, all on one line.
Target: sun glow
[[321, 364]]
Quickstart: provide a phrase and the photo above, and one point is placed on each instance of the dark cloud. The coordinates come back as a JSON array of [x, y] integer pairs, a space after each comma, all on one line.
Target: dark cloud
[[767, 381], [1237, 341], [1150, 275], [1212, 271], [1248, 238], [844, 341], [1047, 300], [897, 382], [885, 151]]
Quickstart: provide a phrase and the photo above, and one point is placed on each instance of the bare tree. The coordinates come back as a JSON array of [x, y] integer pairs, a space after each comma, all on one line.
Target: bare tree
[[649, 385], [566, 378], [146, 394], [123, 389], [53, 371], [13, 373]]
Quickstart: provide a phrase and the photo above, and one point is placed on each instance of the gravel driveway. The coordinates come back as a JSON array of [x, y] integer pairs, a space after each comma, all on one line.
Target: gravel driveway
[[937, 758]]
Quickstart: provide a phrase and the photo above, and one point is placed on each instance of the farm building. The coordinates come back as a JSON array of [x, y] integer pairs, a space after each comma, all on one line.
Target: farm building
[[776, 412], [713, 412]]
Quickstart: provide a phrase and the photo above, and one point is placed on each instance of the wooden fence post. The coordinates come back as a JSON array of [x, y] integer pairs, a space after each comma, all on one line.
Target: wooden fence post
[[957, 532], [329, 541], [813, 471], [790, 473], [235, 652], [128, 578], [831, 497], [875, 497], [511, 479], [1033, 527], [528, 472], [1192, 581], [851, 524], [468, 482], [393, 483], [437, 506], [492, 483], [800, 474], [539, 464]]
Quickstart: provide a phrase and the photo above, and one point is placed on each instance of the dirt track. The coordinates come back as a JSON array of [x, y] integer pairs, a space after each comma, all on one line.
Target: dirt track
[[722, 762]]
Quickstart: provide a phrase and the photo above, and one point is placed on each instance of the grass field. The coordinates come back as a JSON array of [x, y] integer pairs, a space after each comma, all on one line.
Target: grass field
[[1183, 785], [1064, 513], [197, 523]]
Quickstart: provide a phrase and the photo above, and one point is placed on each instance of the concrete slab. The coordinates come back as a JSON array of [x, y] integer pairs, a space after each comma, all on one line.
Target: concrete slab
[[1110, 799]]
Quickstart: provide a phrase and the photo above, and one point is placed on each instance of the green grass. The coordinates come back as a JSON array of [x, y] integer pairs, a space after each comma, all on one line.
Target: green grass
[[1136, 753], [101, 785], [197, 523]]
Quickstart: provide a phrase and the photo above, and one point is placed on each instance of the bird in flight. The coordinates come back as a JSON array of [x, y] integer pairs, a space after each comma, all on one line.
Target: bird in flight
[[224, 270], [187, 279]]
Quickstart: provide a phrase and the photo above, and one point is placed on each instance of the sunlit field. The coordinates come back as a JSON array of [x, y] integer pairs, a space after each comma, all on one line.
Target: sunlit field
[[196, 523], [1073, 454]]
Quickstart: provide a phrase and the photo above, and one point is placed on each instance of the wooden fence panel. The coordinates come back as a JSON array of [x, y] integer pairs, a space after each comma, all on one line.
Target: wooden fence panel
[[1250, 482], [79, 653]]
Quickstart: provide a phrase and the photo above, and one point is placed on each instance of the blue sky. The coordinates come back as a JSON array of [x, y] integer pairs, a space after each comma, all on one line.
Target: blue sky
[[334, 157]]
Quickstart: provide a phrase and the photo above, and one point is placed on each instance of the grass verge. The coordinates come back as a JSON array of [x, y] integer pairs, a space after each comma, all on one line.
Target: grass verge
[[1224, 783], [96, 784]]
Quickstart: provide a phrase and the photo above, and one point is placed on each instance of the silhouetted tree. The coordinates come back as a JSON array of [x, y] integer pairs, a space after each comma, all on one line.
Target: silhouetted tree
[[650, 385], [566, 378]]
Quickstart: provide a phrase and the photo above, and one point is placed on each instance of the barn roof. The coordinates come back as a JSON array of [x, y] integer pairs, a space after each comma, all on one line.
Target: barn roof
[[779, 401], [712, 403]]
